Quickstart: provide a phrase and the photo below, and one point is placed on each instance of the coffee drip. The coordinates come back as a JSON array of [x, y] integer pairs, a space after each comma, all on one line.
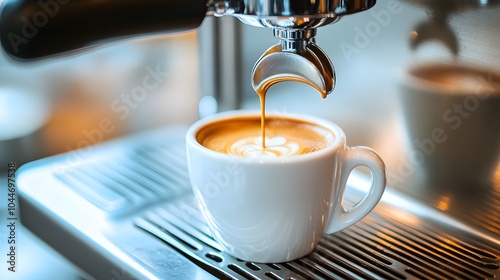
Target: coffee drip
[[310, 66]]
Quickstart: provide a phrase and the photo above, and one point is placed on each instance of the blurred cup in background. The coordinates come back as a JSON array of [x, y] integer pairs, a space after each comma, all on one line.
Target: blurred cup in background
[[452, 118]]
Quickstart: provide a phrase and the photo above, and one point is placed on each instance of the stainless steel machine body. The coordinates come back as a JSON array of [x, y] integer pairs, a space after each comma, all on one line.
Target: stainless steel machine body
[[127, 211]]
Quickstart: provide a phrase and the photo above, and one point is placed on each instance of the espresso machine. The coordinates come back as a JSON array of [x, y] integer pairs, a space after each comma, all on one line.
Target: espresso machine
[[124, 208], [29, 29]]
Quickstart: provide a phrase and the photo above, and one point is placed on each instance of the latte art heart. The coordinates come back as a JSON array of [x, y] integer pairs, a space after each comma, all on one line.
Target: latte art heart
[[284, 137], [275, 147]]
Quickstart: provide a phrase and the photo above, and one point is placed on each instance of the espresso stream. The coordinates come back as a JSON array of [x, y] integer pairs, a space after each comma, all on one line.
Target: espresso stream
[[262, 91], [254, 136]]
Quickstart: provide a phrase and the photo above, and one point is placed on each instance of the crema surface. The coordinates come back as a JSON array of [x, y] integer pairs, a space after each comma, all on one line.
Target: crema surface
[[284, 137], [459, 80]]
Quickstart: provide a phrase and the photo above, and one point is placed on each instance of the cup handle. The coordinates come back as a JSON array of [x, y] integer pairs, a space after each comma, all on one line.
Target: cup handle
[[340, 217]]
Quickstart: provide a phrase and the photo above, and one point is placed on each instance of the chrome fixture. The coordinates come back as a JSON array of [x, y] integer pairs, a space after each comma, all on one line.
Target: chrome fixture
[[437, 27], [32, 29], [294, 23]]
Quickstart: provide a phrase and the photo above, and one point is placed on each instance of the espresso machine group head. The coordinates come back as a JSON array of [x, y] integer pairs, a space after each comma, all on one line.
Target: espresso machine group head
[[32, 29], [294, 23]]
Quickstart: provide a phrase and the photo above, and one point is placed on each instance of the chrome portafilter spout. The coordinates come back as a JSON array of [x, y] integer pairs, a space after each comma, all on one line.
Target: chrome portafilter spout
[[297, 58], [294, 23]]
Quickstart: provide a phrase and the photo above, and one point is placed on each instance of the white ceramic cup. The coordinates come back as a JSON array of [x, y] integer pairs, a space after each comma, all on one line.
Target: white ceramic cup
[[277, 209], [451, 114]]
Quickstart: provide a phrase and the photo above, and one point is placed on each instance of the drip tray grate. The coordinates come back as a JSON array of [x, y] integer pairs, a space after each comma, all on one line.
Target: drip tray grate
[[381, 246], [129, 207]]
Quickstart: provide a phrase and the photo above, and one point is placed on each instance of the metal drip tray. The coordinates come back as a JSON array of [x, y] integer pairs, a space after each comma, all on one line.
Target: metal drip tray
[[379, 247], [125, 211]]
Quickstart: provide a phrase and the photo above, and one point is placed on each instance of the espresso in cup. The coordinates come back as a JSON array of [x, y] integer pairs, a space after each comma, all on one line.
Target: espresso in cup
[[284, 137], [455, 79]]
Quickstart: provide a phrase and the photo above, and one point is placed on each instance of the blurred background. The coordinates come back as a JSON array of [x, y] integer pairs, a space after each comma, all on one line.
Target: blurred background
[[122, 88]]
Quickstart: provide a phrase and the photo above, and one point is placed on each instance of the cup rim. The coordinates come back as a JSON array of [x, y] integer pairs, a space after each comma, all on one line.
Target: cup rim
[[408, 79], [334, 128]]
